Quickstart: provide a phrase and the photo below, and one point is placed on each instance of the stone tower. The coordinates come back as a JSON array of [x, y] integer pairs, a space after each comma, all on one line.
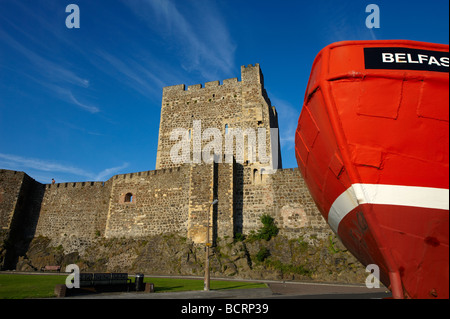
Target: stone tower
[[206, 118], [232, 125]]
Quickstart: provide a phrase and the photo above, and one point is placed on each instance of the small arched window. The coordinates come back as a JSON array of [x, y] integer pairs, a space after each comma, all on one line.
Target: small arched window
[[226, 128], [128, 198]]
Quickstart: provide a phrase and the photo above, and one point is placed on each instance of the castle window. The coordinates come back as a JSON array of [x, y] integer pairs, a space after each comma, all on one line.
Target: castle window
[[128, 198], [255, 176], [263, 175], [226, 128]]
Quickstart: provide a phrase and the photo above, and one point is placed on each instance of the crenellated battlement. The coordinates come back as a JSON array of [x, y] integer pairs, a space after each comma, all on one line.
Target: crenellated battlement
[[128, 176], [250, 73], [146, 173], [180, 88], [9, 172], [6, 173], [256, 65], [74, 185]]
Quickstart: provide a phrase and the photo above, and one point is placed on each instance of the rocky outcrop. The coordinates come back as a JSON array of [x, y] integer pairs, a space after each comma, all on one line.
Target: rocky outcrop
[[304, 258]]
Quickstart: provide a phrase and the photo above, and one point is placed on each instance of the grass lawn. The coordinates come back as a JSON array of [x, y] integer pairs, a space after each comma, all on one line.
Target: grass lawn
[[28, 286], [42, 286], [172, 285]]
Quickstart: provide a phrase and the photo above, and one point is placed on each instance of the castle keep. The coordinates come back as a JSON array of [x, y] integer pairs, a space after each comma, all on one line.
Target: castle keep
[[176, 196]]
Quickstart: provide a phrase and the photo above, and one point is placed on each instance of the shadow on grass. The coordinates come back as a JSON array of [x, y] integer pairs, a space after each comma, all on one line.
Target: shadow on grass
[[230, 287]]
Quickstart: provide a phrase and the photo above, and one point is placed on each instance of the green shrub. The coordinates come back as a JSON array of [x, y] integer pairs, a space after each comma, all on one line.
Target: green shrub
[[239, 237], [262, 254], [289, 268], [302, 244], [269, 228], [331, 247]]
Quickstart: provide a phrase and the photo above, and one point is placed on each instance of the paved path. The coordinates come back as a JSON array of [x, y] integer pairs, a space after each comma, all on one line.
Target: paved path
[[274, 290], [300, 290]]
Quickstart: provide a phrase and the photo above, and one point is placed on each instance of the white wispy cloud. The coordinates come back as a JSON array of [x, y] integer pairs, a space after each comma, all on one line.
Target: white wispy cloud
[[15, 162], [106, 173], [57, 76], [66, 95], [198, 34], [80, 129], [19, 163], [132, 72], [89, 108], [52, 71]]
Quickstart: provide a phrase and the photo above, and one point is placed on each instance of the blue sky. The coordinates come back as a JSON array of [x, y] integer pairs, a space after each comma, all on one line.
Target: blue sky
[[84, 104]]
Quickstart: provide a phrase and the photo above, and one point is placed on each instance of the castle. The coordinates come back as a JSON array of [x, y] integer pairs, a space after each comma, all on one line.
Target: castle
[[202, 155]]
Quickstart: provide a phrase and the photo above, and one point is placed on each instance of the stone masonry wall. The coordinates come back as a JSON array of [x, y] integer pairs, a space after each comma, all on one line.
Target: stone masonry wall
[[10, 184], [20, 202], [159, 203], [214, 106], [283, 195], [224, 191], [201, 194], [74, 211], [27, 210], [257, 198], [295, 209]]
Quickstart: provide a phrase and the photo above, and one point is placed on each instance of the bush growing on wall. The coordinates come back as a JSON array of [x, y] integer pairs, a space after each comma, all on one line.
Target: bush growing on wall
[[262, 254], [268, 230]]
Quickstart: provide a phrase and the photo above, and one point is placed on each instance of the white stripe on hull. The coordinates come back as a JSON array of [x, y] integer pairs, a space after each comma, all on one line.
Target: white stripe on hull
[[358, 194]]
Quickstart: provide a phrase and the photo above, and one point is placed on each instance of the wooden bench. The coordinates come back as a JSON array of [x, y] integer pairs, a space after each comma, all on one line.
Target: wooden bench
[[51, 268], [104, 279], [100, 282]]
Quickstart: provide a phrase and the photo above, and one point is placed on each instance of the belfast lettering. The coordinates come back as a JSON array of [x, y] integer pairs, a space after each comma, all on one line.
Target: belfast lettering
[[406, 59], [419, 58]]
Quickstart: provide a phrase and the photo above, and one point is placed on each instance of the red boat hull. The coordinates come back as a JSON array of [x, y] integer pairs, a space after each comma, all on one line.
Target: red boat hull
[[372, 144]]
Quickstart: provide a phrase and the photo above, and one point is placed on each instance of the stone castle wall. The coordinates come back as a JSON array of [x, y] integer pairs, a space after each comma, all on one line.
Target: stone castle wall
[[159, 203], [283, 195], [295, 208], [172, 200], [176, 197], [10, 184], [20, 203], [74, 210]]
